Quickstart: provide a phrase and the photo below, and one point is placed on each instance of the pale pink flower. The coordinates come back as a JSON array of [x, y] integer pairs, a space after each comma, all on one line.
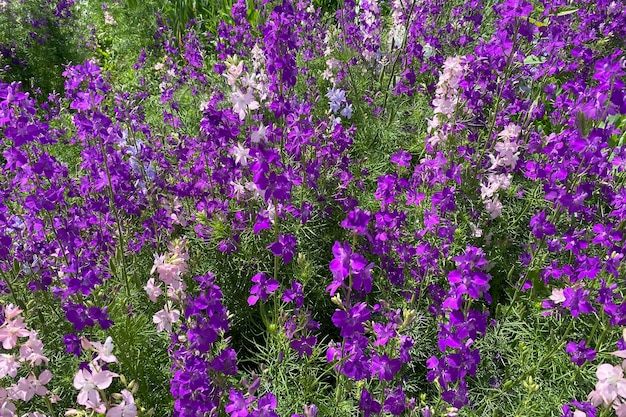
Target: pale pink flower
[[11, 330], [26, 388], [507, 154], [105, 352], [611, 383], [176, 291], [557, 295], [126, 408], [512, 131], [158, 261], [486, 191], [168, 273], [165, 317], [153, 291], [8, 365], [7, 409], [494, 207], [89, 382], [238, 189], [11, 311], [108, 19], [242, 102], [233, 72], [32, 350], [178, 252], [620, 408], [241, 154], [259, 134]]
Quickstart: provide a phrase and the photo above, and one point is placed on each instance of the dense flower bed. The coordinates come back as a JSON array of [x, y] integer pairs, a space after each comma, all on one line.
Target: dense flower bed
[[412, 207]]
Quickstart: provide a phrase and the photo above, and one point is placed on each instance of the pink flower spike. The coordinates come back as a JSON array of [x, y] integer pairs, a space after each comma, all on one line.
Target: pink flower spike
[[32, 350], [26, 388], [7, 409]]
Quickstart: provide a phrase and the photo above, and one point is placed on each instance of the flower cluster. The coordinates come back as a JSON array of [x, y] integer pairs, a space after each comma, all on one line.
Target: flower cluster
[[29, 356]]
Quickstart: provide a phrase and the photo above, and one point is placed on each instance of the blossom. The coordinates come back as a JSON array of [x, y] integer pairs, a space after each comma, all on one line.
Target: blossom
[[241, 154], [126, 408], [262, 289], [351, 322], [611, 383], [242, 102], [165, 317], [11, 330], [580, 353], [26, 388], [105, 352], [32, 350], [238, 406], [304, 346], [368, 405], [8, 365], [259, 134], [89, 381], [153, 291]]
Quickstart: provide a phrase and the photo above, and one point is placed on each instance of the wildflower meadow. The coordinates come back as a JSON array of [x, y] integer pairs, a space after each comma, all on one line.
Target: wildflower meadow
[[312, 208]]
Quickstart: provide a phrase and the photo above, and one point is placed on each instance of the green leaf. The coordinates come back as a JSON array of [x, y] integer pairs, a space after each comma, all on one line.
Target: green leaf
[[533, 60], [567, 12], [537, 22]]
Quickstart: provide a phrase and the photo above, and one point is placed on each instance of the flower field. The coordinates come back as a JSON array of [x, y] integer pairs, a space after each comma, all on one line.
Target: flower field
[[281, 208]]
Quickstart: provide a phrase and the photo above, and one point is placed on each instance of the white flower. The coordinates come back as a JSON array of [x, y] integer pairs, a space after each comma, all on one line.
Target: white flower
[[241, 154], [242, 102]]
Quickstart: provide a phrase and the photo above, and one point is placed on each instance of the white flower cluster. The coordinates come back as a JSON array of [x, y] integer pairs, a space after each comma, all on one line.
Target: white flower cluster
[[446, 99]]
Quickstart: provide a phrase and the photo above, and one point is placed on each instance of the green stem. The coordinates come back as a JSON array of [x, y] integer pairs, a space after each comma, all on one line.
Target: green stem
[[114, 209], [19, 303]]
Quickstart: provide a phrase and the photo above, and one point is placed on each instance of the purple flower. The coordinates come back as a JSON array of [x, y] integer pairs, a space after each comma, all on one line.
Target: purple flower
[[262, 289], [401, 158], [587, 408], [345, 263], [576, 301], [304, 346], [266, 404], [294, 294], [238, 406], [285, 247], [101, 316], [395, 402], [368, 405], [541, 227], [357, 220], [384, 367], [351, 322], [384, 333], [72, 343], [580, 353], [77, 315]]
